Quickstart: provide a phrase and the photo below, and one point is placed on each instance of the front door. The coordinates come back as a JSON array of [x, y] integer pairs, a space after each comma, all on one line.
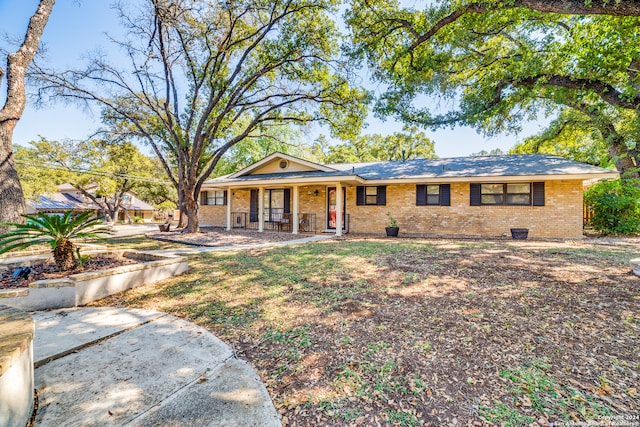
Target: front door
[[331, 208]]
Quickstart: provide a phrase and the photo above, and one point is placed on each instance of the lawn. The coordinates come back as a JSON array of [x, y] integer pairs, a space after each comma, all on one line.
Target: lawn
[[423, 332]]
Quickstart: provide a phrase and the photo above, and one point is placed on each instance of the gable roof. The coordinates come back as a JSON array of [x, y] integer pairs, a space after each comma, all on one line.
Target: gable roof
[[280, 156], [456, 169]]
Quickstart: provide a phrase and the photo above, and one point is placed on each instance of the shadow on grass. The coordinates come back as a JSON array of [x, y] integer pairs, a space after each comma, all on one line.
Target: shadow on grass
[[418, 332]]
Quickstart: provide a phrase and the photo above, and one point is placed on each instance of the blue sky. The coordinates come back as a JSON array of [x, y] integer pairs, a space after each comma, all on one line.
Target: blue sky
[[78, 27]]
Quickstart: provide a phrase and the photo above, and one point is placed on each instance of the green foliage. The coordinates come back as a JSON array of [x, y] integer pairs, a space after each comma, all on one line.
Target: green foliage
[[615, 205], [137, 220], [495, 68], [392, 222], [411, 142], [55, 230], [95, 167]]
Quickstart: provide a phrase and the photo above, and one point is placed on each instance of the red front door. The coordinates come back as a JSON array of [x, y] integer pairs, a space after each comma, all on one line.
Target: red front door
[[331, 208]]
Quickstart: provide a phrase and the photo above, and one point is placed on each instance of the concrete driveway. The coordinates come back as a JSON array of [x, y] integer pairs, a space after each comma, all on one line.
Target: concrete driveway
[[123, 230]]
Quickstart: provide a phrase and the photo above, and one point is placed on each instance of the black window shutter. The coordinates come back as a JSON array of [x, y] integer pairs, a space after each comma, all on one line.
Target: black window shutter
[[382, 195], [253, 206], [445, 194], [360, 196], [203, 198], [538, 194], [474, 195], [421, 195], [287, 200], [225, 198]]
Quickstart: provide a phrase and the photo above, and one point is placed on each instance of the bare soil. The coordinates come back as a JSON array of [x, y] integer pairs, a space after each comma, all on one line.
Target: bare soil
[[425, 332], [48, 270], [215, 237]]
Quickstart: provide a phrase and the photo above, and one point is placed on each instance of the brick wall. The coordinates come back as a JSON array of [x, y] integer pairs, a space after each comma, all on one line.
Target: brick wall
[[560, 217]]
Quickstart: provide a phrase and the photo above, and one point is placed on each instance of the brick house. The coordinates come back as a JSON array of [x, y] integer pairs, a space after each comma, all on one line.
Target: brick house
[[484, 196]]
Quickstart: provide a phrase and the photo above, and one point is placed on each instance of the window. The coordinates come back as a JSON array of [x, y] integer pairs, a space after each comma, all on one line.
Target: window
[[276, 203], [511, 194], [433, 195], [371, 195], [213, 198]]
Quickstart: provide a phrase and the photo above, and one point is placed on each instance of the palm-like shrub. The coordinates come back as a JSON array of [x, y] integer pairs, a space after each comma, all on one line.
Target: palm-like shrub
[[58, 231]]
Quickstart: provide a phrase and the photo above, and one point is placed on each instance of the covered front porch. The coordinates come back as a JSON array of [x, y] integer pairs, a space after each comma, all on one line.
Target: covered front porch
[[295, 209]]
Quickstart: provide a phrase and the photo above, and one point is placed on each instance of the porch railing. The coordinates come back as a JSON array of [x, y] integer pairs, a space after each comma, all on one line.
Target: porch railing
[[274, 220]]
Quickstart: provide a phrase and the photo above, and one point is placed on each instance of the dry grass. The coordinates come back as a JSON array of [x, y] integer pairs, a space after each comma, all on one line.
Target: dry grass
[[423, 332]]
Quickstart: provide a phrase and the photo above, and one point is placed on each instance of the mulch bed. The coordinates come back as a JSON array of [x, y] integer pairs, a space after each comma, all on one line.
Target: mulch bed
[[48, 270]]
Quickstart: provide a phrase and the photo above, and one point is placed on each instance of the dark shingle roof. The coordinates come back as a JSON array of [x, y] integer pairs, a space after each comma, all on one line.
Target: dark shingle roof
[[456, 167], [462, 167]]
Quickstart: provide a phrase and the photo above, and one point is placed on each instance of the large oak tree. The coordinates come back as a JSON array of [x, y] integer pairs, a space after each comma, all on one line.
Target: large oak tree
[[204, 75], [496, 65], [11, 196]]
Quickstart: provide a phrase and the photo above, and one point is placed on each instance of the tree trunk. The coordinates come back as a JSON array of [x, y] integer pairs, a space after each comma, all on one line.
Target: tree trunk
[[182, 217], [191, 207], [63, 255], [622, 157], [11, 196]]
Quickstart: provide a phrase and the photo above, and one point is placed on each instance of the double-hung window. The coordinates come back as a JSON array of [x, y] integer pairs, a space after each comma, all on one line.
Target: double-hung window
[[213, 198], [371, 195], [433, 195]]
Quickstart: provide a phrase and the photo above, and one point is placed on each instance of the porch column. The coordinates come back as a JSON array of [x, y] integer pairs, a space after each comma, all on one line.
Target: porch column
[[339, 212], [229, 199], [295, 219], [260, 209]]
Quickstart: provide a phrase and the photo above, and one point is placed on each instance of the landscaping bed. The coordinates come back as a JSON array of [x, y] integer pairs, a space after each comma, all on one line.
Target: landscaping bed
[[116, 271], [48, 270], [424, 332]]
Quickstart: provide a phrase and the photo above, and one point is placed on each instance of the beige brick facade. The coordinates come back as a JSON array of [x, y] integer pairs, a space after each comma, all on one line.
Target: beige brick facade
[[560, 217]]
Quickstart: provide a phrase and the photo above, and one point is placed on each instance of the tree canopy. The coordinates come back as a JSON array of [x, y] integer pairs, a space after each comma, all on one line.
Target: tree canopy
[[495, 65], [203, 76], [102, 171], [411, 143]]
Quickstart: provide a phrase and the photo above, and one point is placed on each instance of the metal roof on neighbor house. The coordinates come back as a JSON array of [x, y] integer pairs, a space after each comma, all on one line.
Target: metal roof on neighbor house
[[69, 202], [453, 168]]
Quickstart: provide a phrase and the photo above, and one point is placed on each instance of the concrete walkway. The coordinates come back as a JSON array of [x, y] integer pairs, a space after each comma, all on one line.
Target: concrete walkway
[[201, 249], [119, 367]]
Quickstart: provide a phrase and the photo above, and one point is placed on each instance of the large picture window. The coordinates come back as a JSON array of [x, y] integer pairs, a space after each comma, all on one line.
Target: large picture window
[[510, 194]]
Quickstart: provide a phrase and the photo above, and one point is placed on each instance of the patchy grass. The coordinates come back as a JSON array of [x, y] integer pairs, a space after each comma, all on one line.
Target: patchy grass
[[423, 332]]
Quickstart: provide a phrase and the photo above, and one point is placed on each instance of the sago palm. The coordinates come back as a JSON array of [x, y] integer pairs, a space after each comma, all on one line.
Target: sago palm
[[58, 231]]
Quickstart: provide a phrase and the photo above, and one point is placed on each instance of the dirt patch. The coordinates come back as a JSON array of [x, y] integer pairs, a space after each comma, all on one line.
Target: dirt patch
[[215, 237], [416, 332], [48, 270]]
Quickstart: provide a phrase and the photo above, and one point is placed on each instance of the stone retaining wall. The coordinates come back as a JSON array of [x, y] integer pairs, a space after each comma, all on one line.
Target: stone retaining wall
[[83, 288], [16, 367]]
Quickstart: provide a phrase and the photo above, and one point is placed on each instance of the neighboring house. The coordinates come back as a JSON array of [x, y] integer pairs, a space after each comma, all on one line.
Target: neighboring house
[[68, 198], [484, 196]]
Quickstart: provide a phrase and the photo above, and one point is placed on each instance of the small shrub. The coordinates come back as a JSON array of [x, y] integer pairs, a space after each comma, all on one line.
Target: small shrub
[[615, 205], [137, 220]]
